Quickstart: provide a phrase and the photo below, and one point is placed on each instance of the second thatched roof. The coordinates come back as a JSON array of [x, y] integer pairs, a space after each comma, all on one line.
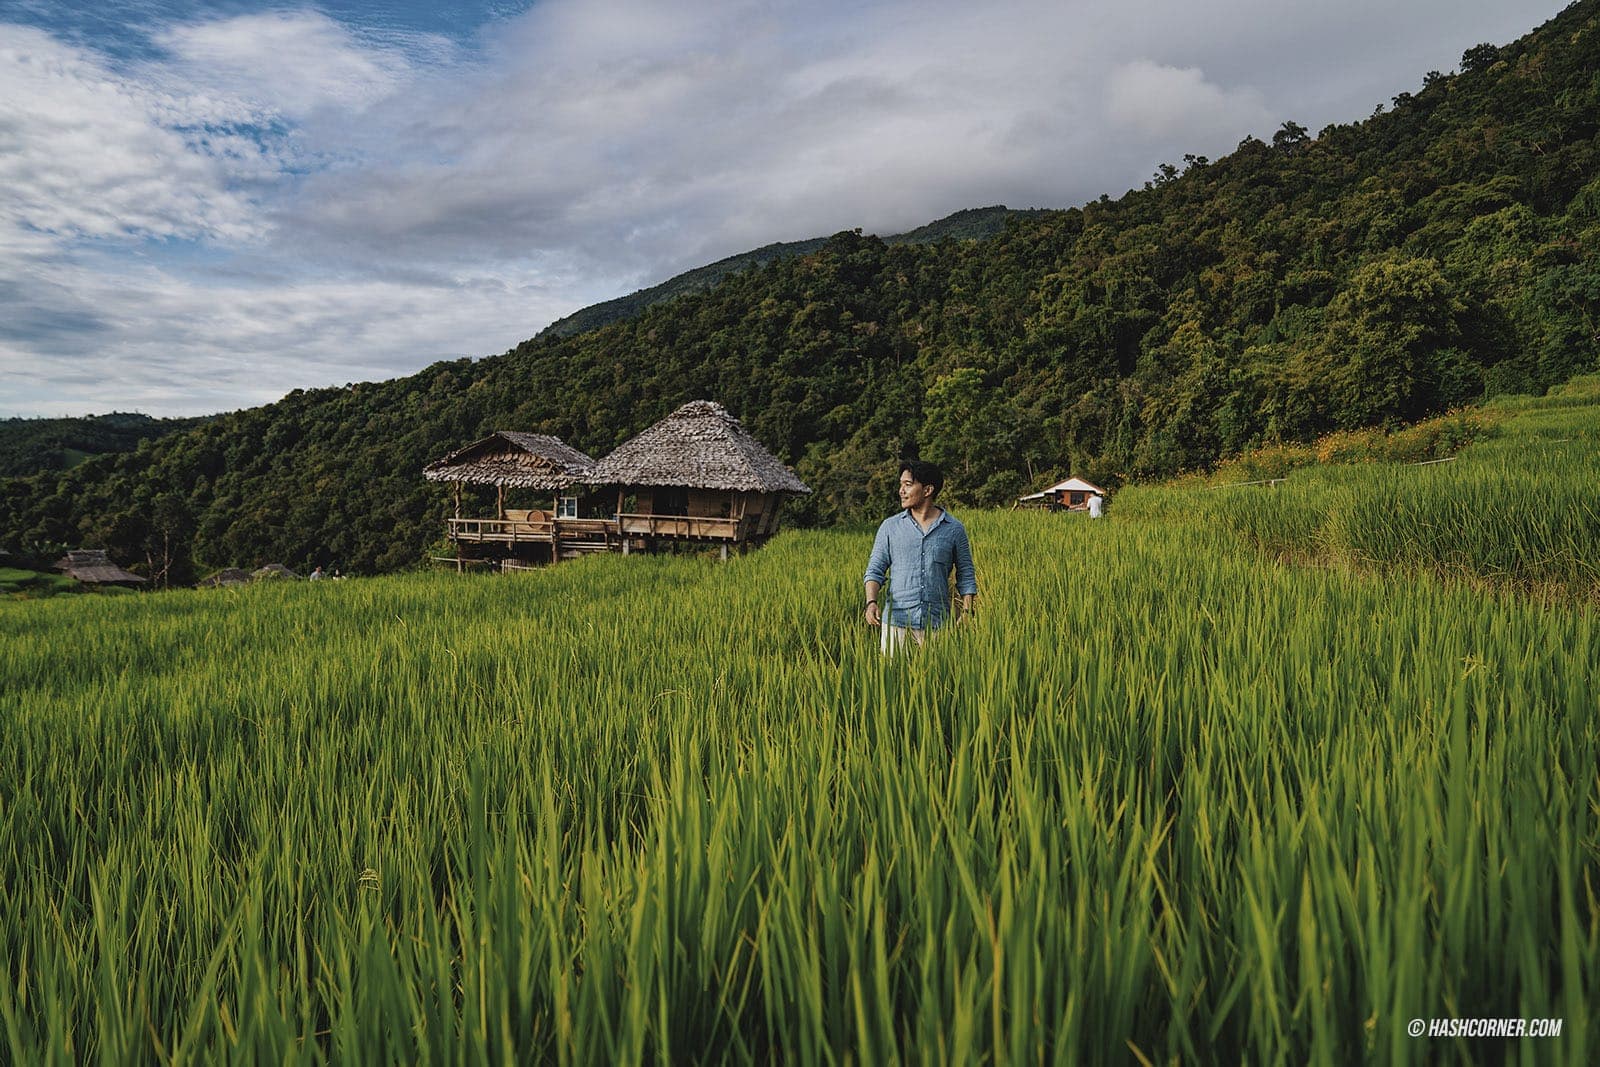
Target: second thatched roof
[[227, 576], [699, 446], [514, 460], [93, 566]]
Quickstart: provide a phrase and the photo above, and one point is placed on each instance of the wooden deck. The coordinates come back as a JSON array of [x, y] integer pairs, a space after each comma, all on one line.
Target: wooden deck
[[535, 538], [540, 531], [686, 527], [546, 531]]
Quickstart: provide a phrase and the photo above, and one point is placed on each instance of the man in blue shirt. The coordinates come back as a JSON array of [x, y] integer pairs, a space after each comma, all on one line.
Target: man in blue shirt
[[920, 546]]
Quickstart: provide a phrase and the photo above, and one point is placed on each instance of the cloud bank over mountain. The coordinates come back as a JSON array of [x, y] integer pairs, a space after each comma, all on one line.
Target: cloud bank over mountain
[[204, 212]]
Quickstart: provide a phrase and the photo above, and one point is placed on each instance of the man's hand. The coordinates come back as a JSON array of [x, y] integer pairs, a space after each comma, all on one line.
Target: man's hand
[[874, 613], [964, 607]]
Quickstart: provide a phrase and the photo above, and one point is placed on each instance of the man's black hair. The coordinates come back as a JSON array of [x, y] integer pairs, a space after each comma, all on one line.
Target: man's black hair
[[924, 472]]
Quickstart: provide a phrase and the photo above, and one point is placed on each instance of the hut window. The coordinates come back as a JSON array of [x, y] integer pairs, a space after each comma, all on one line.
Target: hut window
[[567, 507], [671, 501]]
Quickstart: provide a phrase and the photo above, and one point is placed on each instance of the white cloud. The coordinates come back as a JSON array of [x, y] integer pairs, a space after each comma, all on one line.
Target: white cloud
[[84, 153], [293, 63], [1163, 101], [585, 132], [171, 344]]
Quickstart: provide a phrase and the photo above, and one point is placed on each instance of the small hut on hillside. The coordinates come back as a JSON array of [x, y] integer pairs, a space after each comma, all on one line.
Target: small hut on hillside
[[1072, 494], [93, 566], [696, 476], [539, 468], [227, 576]]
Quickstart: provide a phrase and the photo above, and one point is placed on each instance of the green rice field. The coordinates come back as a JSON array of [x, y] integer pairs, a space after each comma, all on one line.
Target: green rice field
[[1221, 778]]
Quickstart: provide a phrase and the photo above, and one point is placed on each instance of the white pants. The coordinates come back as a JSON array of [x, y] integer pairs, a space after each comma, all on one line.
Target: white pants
[[893, 638]]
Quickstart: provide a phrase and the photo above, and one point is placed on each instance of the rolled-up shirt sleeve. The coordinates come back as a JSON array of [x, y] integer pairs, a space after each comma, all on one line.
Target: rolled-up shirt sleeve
[[966, 573], [878, 562]]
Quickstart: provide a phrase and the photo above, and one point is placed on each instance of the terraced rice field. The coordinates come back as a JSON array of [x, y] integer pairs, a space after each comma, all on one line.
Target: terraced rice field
[[1165, 798]]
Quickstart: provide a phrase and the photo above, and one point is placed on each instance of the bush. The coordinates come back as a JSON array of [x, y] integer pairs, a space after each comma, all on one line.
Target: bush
[[32, 585]]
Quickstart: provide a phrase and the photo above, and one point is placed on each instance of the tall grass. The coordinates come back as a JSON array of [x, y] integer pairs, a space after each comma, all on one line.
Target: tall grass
[[1520, 510], [1155, 802]]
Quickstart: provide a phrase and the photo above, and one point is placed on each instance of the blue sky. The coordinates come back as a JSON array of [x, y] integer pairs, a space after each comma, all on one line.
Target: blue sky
[[206, 205], [131, 28]]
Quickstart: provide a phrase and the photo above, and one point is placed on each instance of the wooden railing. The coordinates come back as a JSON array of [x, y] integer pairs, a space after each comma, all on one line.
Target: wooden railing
[[544, 531], [585, 529], [695, 526], [501, 530]]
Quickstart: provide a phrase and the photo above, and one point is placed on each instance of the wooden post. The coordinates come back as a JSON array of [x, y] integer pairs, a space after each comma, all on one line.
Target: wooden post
[[500, 501], [621, 533], [456, 534]]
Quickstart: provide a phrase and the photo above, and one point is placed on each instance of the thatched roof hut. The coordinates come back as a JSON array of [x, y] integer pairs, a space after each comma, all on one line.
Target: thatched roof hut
[[227, 576], [513, 460], [274, 570], [699, 446], [93, 566]]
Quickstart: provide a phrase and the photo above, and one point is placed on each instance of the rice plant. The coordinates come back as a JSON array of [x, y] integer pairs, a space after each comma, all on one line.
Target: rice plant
[[1520, 510]]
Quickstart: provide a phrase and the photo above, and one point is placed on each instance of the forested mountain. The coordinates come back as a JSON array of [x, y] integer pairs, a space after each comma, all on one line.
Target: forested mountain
[[28, 446], [1446, 247], [971, 224]]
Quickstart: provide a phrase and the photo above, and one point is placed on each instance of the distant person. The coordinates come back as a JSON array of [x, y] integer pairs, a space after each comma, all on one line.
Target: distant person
[[919, 547], [317, 575], [1097, 505]]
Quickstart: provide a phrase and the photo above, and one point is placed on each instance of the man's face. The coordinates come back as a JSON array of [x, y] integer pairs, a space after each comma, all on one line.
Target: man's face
[[912, 492]]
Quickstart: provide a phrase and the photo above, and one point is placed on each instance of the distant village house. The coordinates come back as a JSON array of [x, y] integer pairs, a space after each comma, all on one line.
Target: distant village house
[[1070, 495]]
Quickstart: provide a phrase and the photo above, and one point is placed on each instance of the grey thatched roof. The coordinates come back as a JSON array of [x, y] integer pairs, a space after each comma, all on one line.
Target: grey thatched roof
[[699, 446], [274, 570], [227, 576], [94, 566], [514, 460]]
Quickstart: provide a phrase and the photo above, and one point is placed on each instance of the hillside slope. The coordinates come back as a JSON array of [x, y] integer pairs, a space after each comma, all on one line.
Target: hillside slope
[[973, 224], [28, 446], [1441, 250]]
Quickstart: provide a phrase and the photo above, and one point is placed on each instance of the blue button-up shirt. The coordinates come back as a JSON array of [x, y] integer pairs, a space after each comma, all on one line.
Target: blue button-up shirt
[[921, 562]]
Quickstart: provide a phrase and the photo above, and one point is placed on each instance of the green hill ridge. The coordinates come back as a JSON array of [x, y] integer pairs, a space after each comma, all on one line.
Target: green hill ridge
[[28, 446], [972, 224]]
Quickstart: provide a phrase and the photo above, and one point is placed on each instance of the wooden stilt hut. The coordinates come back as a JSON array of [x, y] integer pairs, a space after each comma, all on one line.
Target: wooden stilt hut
[[697, 476], [528, 465]]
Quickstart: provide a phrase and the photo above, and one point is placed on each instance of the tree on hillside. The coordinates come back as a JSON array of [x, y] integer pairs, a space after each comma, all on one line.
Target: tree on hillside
[[1385, 344]]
